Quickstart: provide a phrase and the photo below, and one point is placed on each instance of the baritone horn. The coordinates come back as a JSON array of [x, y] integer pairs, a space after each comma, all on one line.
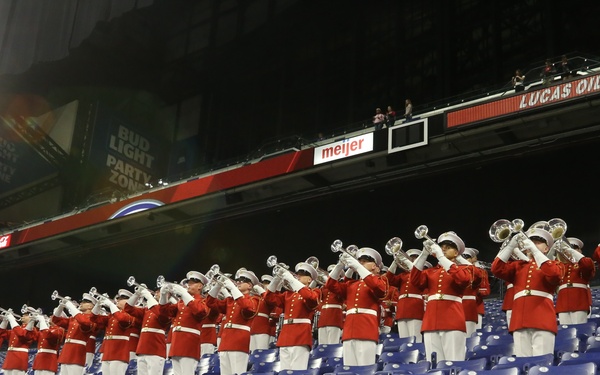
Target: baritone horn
[[394, 248], [322, 275], [503, 230], [557, 228]]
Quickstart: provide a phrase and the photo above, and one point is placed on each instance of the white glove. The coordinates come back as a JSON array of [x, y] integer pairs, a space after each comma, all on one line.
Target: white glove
[[435, 249], [12, 321], [110, 305], [356, 266], [337, 271], [419, 263], [4, 322], [349, 274], [71, 308], [133, 300], [576, 255], [235, 293], [97, 309], [539, 257], [445, 262], [519, 254], [294, 283], [258, 289], [214, 291], [462, 261], [180, 291], [164, 295], [42, 323], [227, 282], [150, 300], [30, 324], [275, 284], [59, 309], [393, 267], [224, 294]]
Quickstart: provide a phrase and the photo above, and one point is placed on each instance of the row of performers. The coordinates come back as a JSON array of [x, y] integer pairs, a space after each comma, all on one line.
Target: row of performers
[[179, 322]]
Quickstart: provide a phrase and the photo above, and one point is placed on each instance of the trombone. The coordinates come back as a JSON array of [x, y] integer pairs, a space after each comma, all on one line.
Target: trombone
[[394, 248]]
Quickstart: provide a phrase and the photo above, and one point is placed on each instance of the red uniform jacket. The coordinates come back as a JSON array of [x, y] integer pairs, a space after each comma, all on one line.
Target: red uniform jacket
[[331, 309], [208, 335], [388, 307], [115, 346], [237, 319], [533, 303], [362, 305], [574, 292], [410, 303], [445, 295], [261, 324], [153, 331], [17, 355], [78, 330], [484, 290], [298, 310], [49, 341], [186, 326]]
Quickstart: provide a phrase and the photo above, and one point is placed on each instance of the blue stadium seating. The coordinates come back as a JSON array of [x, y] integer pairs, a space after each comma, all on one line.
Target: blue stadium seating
[[525, 363], [584, 368]]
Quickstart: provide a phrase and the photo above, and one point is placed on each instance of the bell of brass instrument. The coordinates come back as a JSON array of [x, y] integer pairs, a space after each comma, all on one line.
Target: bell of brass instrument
[[420, 233], [557, 228], [503, 230], [322, 275], [394, 248]]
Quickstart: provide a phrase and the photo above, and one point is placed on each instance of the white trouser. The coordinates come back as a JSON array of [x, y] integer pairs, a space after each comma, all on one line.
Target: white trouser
[[385, 329], [69, 369], [410, 327], [479, 322], [43, 372], [89, 359], [233, 362], [329, 335], [183, 365], [259, 341], [150, 364], [207, 348], [533, 342], [14, 372], [508, 315], [573, 317], [293, 357], [359, 352], [114, 367], [449, 345], [132, 356], [471, 327]]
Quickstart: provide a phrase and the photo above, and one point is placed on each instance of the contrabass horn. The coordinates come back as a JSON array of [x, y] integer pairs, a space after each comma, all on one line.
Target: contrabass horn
[[394, 248]]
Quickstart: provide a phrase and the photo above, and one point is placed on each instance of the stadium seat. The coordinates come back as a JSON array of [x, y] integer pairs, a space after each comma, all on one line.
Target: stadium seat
[[262, 367], [585, 368], [524, 363], [315, 362], [499, 339], [472, 342], [414, 368], [566, 333], [457, 366], [410, 356], [414, 346], [504, 371], [569, 359], [393, 344], [327, 351], [262, 355], [566, 345], [356, 370], [383, 336], [310, 371], [259, 373], [492, 353], [592, 344]]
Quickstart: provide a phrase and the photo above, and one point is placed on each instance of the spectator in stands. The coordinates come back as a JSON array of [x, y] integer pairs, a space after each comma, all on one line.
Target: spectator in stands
[[547, 73], [390, 116], [408, 109], [518, 81], [565, 68], [378, 119]]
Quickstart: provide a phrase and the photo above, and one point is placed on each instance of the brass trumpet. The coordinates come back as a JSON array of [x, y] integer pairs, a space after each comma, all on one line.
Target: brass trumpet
[[30, 310], [131, 282], [338, 247], [420, 233], [9, 311], [557, 228], [394, 248], [322, 275], [503, 230]]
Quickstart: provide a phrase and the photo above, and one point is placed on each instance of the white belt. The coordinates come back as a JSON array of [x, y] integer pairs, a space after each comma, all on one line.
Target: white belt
[[331, 306], [153, 330], [209, 325], [263, 315], [134, 335], [75, 341], [116, 337], [573, 285], [532, 292], [360, 310], [410, 295], [186, 329], [509, 286], [12, 349], [51, 351], [469, 297], [93, 337], [444, 297], [237, 326], [297, 321]]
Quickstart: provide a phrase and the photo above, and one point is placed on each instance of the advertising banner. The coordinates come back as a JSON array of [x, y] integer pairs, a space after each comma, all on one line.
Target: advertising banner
[[343, 149]]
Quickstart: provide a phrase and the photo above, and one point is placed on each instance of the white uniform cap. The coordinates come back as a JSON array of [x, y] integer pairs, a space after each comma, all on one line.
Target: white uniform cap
[[371, 253], [575, 242], [196, 276], [303, 266], [268, 278], [250, 276], [412, 252], [88, 297], [426, 265], [544, 234], [452, 237], [123, 293], [471, 251]]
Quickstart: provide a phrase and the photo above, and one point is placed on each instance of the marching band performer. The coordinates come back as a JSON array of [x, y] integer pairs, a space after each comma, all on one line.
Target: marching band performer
[[360, 334], [331, 316], [238, 312], [152, 345], [49, 338], [573, 301], [295, 338], [115, 348], [473, 297], [20, 338], [90, 347], [260, 331], [410, 306], [387, 310], [533, 319], [446, 282], [79, 328], [187, 315]]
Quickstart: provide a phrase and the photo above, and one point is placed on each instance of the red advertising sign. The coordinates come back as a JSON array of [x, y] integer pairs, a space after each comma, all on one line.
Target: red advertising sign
[[526, 101], [5, 241]]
